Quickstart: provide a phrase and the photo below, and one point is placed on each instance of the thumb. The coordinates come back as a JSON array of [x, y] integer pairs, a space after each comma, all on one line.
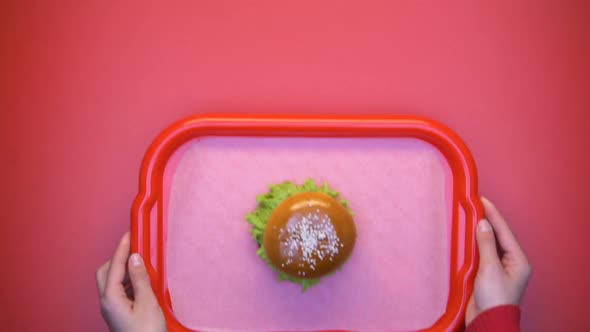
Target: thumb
[[140, 279], [486, 243]]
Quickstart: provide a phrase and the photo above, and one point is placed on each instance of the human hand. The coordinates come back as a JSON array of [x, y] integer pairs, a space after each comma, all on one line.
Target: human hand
[[504, 271], [127, 301]]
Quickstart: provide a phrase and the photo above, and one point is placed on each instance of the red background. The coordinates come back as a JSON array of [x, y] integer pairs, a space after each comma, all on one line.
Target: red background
[[86, 85]]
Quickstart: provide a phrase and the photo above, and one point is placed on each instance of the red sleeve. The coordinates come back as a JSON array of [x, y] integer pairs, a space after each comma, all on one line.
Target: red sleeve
[[505, 318]]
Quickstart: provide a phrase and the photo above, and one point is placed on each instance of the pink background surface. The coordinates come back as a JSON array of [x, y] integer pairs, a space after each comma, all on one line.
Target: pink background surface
[[396, 279], [86, 85]]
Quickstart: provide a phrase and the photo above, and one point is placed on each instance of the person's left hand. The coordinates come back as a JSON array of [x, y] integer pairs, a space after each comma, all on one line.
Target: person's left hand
[[127, 301]]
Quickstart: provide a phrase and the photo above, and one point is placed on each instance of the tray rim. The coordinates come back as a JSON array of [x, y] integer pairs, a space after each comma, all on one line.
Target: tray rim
[[441, 137]]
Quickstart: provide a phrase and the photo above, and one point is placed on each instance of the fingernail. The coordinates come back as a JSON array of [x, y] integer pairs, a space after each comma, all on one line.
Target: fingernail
[[486, 200], [136, 259], [484, 226]]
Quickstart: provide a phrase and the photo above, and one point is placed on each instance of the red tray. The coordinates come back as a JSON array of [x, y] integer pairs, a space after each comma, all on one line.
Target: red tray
[[149, 217]]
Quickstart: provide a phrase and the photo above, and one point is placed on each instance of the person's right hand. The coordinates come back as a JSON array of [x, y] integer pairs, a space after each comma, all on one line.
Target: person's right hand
[[503, 274]]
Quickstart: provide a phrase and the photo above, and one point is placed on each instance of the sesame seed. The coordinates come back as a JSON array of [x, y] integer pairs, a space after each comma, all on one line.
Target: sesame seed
[[309, 237]]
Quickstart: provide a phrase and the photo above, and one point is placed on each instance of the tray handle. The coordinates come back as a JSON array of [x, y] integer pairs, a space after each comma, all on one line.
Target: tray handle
[[145, 231]]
